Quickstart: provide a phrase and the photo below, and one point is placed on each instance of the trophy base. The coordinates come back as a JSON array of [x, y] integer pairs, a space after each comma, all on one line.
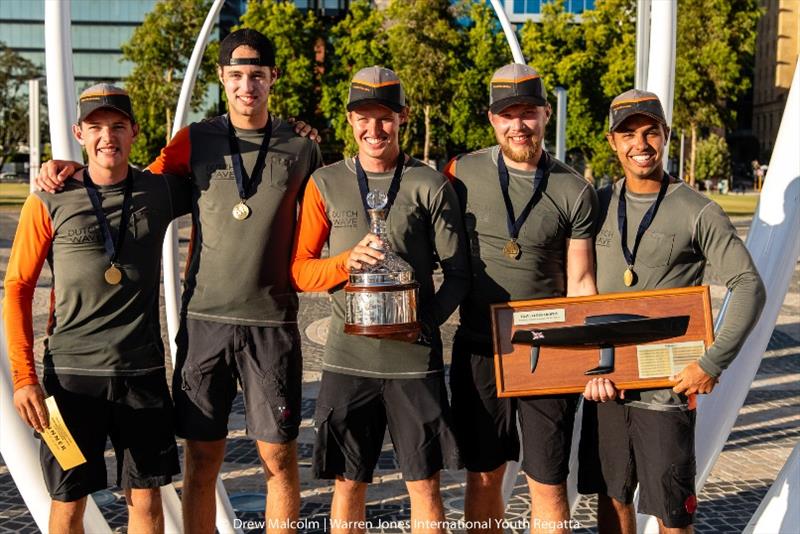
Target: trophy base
[[398, 332]]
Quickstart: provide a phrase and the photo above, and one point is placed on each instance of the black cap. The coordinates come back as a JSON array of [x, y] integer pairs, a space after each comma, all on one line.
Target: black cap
[[104, 95], [516, 84], [247, 37], [635, 102], [376, 85]]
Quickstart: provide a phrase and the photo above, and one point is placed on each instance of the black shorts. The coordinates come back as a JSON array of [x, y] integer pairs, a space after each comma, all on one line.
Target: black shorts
[[623, 445], [486, 425], [353, 413], [135, 412], [213, 357]]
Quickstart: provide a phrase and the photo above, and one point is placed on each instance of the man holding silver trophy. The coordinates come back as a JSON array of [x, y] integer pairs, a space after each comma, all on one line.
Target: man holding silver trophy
[[374, 381]]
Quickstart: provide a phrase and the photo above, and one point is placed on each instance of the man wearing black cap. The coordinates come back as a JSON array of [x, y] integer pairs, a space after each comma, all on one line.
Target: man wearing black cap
[[369, 384], [104, 359], [656, 233], [529, 221], [239, 314]]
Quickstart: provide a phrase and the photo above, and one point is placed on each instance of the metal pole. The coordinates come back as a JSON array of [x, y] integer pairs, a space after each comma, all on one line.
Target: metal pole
[[661, 66], [61, 101], [34, 130], [642, 42], [681, 159], [508, 30], [561, 124]]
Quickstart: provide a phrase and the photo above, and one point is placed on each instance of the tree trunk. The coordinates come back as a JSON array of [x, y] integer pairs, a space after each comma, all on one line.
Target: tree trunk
[[168, 111], [426, 146], [692, 153]]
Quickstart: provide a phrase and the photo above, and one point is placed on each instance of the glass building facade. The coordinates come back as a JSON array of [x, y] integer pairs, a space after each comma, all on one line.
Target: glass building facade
[[99, 28], [521, 10]]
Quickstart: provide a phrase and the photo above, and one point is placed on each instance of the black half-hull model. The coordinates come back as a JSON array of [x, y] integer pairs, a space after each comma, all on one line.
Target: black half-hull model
[[605, 332]]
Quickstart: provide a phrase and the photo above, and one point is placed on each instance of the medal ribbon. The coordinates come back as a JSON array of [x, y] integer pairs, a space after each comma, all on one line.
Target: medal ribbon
[[113, 247], [243, 181], [394, 187], [542, 171], [650, 214]]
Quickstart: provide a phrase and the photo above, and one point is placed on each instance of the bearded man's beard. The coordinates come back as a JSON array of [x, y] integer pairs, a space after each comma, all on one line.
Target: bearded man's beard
[[521, 154]]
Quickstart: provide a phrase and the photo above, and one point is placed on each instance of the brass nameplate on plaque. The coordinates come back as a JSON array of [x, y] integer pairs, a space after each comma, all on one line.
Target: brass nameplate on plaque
[[638, 339]]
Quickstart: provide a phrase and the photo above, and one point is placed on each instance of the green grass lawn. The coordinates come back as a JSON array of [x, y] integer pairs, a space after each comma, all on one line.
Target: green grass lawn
[[734, 204], [13, 195]]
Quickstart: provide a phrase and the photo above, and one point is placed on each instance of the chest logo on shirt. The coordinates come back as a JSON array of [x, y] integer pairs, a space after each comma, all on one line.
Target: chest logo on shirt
[[85, 234], [344, 218], [219, 171], [604, 237]]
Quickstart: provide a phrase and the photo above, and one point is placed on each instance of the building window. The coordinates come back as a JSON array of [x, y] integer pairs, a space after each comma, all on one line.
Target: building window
[[534, 7]]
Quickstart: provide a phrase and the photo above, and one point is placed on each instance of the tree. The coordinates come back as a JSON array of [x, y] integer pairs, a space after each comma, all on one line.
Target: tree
[[593, 61], [713, 159], [160, 50], [14, 77], [483, 51], [422, 42], [358, 41], [294, 36], [716, 40]]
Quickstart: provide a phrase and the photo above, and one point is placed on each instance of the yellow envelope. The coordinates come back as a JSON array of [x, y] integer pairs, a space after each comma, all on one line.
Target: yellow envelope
[[59, 439]]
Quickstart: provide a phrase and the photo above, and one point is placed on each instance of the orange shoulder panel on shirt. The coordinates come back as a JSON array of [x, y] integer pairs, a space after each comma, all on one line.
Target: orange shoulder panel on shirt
[[175, 157], [308, 271], [450, 169], [28, 253]]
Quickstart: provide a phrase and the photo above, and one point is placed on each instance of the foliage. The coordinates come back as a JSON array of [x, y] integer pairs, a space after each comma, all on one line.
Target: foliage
[[358, 41], [422, 42], [14, 76], [482, 50], [713, 158], [294, 36], [593, 61], [160, 50], [715, 41]]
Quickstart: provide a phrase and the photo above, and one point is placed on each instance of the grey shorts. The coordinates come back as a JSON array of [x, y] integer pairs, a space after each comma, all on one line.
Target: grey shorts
[[213, 357]]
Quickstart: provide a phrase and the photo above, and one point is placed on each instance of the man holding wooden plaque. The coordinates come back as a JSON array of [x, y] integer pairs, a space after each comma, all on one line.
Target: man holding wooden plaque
[[655, 232], [530, 221]]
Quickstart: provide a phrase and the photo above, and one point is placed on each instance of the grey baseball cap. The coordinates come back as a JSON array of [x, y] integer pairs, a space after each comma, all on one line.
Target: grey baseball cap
[[104, 95], [634, 102], [516, 84], [376, 85]]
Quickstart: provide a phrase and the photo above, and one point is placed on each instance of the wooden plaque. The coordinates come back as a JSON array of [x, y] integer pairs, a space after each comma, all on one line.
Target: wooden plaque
[[638, 364]]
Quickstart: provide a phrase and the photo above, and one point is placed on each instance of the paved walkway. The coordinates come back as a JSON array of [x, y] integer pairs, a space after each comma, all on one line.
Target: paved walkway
[[765, 432]]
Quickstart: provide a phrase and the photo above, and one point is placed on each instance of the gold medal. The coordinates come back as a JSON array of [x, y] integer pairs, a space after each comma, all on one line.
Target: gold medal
[[628, 276], [240, 211], [511, 249], [113, 275]]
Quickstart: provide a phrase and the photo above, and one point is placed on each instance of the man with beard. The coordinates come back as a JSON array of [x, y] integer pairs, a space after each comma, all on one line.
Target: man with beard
[[239, 313], [369, 384], [655, 232], [529, 221]]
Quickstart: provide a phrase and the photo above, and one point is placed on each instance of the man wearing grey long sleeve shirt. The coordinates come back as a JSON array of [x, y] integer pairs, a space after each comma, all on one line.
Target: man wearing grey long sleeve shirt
[[671, 233]]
